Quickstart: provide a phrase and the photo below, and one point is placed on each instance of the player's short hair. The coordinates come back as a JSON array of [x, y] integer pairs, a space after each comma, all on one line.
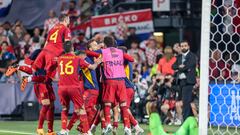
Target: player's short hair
[[89, 43], [109, 41], [67, 46], [62, 17]]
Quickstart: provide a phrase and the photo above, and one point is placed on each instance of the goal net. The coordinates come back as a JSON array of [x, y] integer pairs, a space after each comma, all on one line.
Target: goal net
[[223, 83]]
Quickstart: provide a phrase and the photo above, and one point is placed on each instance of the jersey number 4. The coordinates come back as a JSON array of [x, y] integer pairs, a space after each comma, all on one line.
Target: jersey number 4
[[54, 36], [67, 68]]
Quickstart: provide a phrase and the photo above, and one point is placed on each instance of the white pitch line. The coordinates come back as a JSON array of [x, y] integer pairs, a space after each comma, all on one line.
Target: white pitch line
[[15, 132]]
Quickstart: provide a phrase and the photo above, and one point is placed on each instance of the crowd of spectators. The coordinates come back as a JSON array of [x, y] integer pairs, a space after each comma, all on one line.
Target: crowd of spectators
[[153, 73], [154, 77]]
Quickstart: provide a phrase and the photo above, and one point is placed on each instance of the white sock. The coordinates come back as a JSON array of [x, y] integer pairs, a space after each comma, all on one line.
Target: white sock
[[63, 131], [137, 126], [29, 79]]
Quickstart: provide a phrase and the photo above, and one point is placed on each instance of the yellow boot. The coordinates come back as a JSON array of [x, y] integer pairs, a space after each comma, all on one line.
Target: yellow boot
[[40, 132], [52, 133]]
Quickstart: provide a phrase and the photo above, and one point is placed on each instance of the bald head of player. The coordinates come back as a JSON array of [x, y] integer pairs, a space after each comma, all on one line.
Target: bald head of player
[[109, 41], [64, 19]]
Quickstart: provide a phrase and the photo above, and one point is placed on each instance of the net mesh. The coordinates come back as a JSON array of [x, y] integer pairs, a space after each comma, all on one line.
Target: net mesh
[[224, 68]]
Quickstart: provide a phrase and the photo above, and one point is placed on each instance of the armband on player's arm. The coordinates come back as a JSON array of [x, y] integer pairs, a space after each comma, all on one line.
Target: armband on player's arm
[[128, 57]]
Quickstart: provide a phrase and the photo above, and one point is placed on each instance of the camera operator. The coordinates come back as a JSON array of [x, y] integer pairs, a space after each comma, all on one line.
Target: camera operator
[[167, 99], [185, 69], [157, 81]]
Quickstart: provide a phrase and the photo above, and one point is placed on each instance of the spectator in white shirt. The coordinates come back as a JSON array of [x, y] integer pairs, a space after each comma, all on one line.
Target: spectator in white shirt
[[50, 22]]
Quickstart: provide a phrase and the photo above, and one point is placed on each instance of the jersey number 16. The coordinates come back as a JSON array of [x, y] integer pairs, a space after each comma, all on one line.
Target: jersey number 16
[[67, 68]]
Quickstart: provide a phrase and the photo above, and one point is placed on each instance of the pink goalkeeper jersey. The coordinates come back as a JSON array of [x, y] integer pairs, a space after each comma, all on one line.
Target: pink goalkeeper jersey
[[113, 63]]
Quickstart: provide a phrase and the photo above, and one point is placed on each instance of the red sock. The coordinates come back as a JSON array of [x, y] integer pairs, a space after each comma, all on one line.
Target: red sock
[[107, 114], [50, 118], [91, 112], [83, 126], [124, 114], [64, 118], [26, 69], [42, 116], [133, 121], [38, 79], [72, 121], [103, 123], [115, 124], [97, 119]]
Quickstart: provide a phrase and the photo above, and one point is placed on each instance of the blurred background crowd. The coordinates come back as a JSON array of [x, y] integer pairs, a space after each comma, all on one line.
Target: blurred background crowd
[[154, 77]]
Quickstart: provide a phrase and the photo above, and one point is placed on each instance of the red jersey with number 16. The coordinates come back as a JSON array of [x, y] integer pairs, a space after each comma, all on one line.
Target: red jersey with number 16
[[68, 69], [56, 37]]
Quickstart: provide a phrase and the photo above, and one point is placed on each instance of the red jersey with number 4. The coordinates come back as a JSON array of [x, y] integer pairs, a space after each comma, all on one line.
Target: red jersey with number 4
[[68, 69], [56, 37]]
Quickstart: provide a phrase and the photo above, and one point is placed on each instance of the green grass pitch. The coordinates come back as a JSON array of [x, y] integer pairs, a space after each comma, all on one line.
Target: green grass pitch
[[29, 127]]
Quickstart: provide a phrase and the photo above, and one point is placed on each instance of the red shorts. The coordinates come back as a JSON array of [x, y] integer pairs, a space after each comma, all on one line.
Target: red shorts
[[171, 103], [90, 98], [45, 60], [44, 91], [130, 96], [74, 94], [114, 89]]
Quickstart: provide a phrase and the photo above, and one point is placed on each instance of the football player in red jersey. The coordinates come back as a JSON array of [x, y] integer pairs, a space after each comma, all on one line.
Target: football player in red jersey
[[44, 93], [71, 87], [53, 48], [47, 59]]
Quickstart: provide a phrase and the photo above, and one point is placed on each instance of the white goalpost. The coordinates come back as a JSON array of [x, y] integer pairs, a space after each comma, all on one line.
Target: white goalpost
[[219, 112], [205, 41]]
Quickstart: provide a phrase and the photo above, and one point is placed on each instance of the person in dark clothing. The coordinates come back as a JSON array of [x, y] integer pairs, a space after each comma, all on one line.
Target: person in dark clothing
[[184, 67], [132, 37]]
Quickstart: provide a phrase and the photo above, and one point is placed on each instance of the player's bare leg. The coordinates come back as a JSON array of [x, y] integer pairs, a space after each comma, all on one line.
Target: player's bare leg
[[115, 119]]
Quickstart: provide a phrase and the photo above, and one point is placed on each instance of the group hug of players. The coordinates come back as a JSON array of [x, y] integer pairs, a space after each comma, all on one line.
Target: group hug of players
[[98, 76]]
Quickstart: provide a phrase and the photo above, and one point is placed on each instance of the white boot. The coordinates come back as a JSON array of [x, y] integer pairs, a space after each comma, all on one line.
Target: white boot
[[108, 129], [139, 130], [127, 131]]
